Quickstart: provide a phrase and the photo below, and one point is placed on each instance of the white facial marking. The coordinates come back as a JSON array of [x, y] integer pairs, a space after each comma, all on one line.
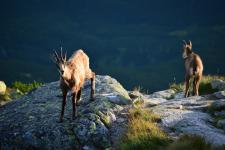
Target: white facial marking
[[184, 55], [66, 72]]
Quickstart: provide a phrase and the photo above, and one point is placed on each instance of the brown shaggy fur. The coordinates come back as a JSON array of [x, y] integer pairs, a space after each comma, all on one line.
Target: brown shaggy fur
[[193, 68], [72, 76]]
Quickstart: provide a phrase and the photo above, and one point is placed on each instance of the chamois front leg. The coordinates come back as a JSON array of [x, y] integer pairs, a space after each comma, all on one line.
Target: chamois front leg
[[78, 96], [92, 86], [74, 114], [187, 82], [64, 92]]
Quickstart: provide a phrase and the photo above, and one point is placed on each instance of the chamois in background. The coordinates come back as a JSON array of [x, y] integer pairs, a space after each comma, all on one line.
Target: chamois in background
[[193, 68], [73, 73]]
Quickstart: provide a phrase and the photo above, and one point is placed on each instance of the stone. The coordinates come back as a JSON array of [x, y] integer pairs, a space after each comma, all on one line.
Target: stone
[[221, 124], [117, 99], [166, 94], [218, 84], [220, 94], [2, 87], [219, 113], [179, 95], [155, 101], [218, 104]]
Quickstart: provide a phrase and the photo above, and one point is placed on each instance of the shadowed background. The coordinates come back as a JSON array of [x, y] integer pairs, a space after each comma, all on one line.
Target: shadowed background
[[139, 42]]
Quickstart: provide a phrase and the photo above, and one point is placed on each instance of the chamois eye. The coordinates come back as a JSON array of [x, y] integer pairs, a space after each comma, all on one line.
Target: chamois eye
[[62, 71]]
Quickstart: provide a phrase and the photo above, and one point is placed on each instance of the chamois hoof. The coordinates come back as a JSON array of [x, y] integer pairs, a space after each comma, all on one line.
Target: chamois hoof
[[60, 121], [92, 99], [74, 117]]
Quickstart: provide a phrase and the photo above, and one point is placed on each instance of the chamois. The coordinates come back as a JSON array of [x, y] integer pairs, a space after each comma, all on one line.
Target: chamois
[[73, 73], [193, 68]]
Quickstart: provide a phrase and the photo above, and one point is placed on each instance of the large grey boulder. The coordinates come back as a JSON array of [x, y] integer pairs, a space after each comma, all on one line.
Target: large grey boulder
[[218, 84], [187, 116], [2, 87], [32, 121]]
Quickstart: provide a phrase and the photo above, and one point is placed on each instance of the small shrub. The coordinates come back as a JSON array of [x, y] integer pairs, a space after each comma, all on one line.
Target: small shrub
[[177, 87], [24, 88]]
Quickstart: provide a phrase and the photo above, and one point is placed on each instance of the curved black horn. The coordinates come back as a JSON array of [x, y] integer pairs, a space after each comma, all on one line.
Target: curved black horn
[[61, 54], [57, 57], [65, 56]]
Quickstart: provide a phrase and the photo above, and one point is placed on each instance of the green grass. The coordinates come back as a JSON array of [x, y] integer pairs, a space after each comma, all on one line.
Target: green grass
[[18, 89], [26, 87], [204, 87], [143, 132]]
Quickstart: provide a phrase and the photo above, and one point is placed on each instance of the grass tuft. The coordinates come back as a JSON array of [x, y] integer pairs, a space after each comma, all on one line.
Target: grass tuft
[[143, 132]]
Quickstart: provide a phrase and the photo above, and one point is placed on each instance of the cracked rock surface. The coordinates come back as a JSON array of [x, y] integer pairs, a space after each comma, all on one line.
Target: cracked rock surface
[[32, 121]]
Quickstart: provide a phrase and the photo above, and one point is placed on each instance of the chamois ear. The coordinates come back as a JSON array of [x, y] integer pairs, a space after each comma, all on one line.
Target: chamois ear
[[184, 44], [190, 44]]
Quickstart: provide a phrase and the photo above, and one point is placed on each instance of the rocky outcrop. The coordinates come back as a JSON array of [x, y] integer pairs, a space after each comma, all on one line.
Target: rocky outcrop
[[32, 121], [189, 116]]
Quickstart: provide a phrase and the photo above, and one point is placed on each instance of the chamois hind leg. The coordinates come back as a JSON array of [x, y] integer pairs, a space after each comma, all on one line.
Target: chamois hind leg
[[198, 80], [194, 86], [74, 114], [187, 82], [92, 86], [64, 92], [91, 75], [78, 96]]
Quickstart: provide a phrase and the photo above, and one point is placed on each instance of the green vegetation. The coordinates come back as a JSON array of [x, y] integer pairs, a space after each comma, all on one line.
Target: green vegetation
[[204, 87], [24, 88], [143, 133], [17, 90]]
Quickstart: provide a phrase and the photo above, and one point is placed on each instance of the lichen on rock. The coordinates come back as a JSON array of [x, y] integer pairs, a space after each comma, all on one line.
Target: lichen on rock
[[32, 121]]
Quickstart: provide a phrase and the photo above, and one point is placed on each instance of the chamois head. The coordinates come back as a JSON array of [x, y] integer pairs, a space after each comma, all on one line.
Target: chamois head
[[62, 65], [187, 49]]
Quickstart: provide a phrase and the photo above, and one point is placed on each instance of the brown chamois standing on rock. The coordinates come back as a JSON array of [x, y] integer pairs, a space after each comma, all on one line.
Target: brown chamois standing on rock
[[193, 68], [73, 73]]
